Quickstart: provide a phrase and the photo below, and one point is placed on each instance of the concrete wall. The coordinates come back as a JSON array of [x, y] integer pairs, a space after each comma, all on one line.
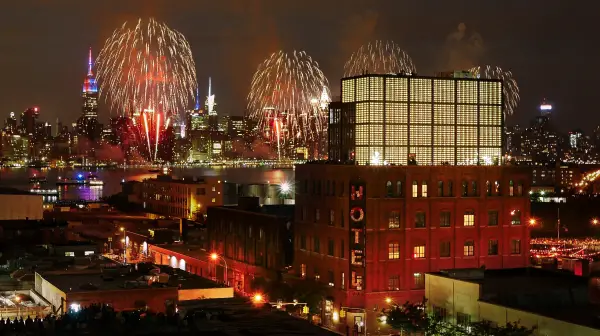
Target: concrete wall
[[458, 296], [51, 293], [205, 293], [21, 207]]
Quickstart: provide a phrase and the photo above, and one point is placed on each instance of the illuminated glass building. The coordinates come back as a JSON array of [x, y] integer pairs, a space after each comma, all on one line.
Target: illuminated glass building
[[400, 118]]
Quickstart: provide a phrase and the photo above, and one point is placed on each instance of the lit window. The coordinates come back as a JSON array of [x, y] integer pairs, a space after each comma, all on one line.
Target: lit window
[[394, 250], [515, 217], [469, 248], [303, 270], [343, 284], [424, 189], [214, 200], [394, 220], [88, 253], [69, 254], [415, 189], [469, 218], [419, 252], [511, 188]]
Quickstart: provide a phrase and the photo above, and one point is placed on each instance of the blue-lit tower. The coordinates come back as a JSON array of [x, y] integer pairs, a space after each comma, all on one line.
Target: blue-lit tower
[[88, 122]]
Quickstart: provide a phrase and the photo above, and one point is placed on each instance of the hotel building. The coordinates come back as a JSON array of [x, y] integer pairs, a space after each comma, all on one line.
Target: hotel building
[[401, 118], [371, 233]]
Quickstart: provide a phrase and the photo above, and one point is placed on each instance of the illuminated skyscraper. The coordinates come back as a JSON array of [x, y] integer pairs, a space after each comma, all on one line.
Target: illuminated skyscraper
[[210, 100], [87, 124], [402, 119]]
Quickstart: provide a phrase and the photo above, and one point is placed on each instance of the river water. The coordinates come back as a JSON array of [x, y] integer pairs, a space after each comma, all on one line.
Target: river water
[[19, 178]]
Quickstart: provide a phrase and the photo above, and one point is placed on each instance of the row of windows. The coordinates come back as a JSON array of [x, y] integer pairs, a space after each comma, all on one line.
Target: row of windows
[[422, 90], [468, 189], [356, 280], [316, 246], [446, 249], [396, 151], [445, 218]]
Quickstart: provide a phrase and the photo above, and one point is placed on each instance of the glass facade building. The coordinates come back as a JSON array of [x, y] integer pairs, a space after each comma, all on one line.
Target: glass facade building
[[395, 119]]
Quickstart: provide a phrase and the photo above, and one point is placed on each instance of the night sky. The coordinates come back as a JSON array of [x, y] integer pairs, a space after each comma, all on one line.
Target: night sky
[[550, 46]]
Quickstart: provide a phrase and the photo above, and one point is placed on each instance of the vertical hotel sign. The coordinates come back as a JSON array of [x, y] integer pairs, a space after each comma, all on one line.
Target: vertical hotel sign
[[358, 219]]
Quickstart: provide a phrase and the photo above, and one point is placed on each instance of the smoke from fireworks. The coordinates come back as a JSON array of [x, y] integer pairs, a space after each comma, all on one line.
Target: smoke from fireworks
[[510, 88], [288, 97], [379, 57], [147, 72]]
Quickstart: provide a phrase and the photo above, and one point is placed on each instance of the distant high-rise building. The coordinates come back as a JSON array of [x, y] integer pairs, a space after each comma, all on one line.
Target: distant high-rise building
[[406, 119], [87, 124], [28, 121], [236, 126], [10, 124], [210, 100]]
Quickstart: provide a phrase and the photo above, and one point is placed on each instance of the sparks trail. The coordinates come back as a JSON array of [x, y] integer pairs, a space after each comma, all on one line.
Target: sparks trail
[[379, 57], [289, 96], [148, 74], [509, 85]]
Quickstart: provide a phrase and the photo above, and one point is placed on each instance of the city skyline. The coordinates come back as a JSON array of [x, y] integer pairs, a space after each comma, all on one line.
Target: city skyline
[[230, 53]]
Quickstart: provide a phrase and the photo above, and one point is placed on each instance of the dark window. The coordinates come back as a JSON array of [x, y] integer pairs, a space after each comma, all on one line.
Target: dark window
[[342, 251], [420, 219], [399, 190], [394, 283], [445, 219], [515, 246], [342, 218], [497, 188], [474, 188], [493, 247], [440, 192], [520, 189], [440, 313], [306, 186], [511, 188], [327, 188], [317, 246], [330, 247], [303, 242], [333, 188], [394, 220], [515, 217], [465, 189], [450, 189], [445, 249], [389, 190], [331, 277], [200, 191], [493, 218], [419, 280], [488, 188]]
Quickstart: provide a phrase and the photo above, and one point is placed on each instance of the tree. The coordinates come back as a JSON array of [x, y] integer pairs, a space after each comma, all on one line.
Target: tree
[[413, 318]]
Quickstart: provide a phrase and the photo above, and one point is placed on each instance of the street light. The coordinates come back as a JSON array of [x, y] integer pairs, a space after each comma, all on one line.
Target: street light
[[214, 256], [595, 221], [388, 300], [257, 298], [532, 221]]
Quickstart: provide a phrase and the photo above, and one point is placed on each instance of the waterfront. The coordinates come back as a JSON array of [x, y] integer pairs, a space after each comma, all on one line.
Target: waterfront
[[19, 178]]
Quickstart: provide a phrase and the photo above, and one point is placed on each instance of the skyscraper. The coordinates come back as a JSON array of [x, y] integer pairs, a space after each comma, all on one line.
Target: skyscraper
[[87, 124]]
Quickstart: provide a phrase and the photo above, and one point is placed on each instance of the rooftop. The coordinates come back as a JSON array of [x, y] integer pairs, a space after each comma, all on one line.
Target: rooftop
[[559, 295], [90, 280], [277, 210], [182, 180], [15, 191], [239, 317]]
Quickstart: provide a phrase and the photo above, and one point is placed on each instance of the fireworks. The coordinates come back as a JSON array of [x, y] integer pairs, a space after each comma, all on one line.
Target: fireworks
[[510, 87], [288, 97], [147, 73], [379, 57]]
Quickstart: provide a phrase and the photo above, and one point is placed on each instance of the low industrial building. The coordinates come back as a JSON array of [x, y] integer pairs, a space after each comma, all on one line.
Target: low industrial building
[[554, 303], [23, 303], [18, 204], [125, 288]]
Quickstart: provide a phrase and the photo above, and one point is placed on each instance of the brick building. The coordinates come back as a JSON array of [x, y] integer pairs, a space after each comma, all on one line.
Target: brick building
[[186, 197], [372, 232]]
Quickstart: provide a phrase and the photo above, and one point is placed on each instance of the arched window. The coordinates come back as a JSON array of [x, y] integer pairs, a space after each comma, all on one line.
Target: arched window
[[415, 189], [424, 189], [440, 192], [511, 188], [450, 189], [474, 188], [488, 188], [465, 189], [399, 190], [389, 190]]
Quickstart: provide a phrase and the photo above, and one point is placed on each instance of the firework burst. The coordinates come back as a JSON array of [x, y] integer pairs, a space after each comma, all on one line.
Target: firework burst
[[147, 72], [288, 97], [379, 57], [510, 88]]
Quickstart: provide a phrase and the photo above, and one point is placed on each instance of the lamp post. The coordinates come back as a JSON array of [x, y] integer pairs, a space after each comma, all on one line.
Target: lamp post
[[124, 241], [215, 257]]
